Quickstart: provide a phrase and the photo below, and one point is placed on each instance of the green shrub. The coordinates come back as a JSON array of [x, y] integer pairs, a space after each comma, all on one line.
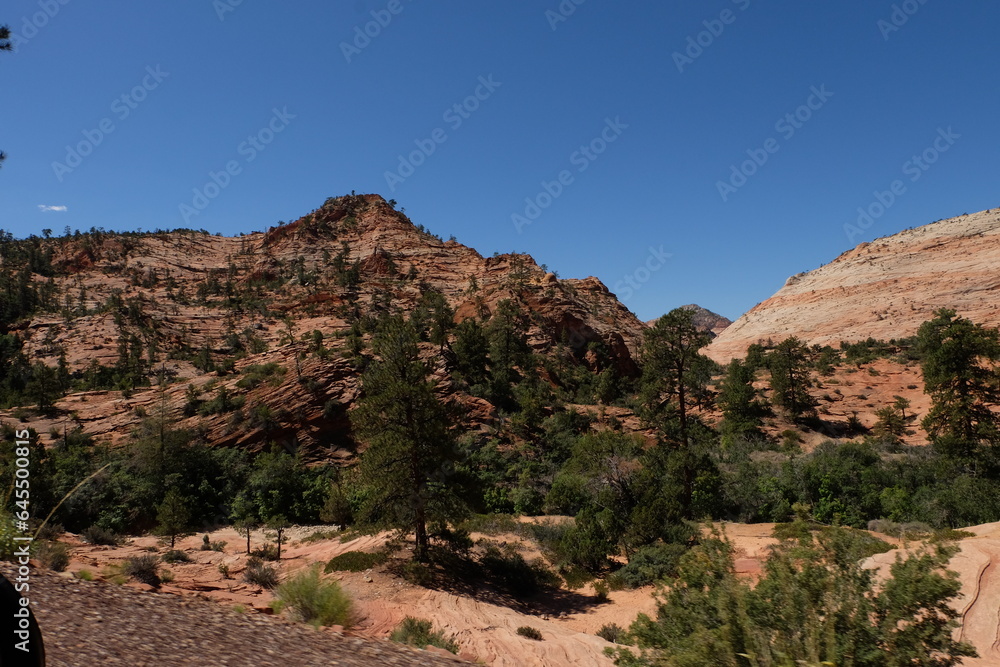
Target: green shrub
[[420, 633], [260, 574], [549, 535], [98, 535], [648, 565], [314, 600], [601, 590], [8, 531], [575, 577], [512, 573], [950, 535], [458, 540], [355, 561], [144, 569], [529, 632], [208, 545], [417, 573], [255, 374], [493, 524], [266, 552], [320, 536], [223, 402], [53, 555], [613, 633], [176, 556], [84, 575]]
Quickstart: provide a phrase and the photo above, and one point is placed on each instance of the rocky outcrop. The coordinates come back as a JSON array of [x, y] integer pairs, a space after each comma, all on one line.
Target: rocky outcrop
[[187, 294], [884, 289]]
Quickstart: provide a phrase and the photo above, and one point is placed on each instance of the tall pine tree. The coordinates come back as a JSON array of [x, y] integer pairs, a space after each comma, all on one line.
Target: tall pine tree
[[958, 358], [410, 443], [672, 374]]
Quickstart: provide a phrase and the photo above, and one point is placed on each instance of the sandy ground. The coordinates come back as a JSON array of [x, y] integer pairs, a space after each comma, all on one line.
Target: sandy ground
[[484, 627]]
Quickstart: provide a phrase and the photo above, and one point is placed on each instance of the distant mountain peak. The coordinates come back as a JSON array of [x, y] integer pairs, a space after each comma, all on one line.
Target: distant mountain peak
[[705, 319], [882, 289]]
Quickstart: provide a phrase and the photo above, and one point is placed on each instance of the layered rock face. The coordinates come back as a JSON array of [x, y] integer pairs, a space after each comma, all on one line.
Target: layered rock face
[[884, 289], [182, 293]]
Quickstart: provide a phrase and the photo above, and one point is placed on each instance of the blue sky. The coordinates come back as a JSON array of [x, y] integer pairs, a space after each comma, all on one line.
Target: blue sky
[[593, 94]]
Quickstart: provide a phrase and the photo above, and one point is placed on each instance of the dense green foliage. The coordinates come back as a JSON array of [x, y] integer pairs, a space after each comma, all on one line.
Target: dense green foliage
[[315, 600], [129, 491], [815, 604]]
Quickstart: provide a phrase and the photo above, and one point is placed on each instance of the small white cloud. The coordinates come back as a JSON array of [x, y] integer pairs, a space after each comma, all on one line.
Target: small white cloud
[[52, 209]]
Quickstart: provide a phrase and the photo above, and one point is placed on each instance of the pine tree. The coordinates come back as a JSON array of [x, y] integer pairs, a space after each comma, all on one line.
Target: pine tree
[[742, 409], [472, 350], [173, 515], [434, 318], [410, 444], [789, 365], [957, 357], [509, 352], [891, 424], [672, 373]]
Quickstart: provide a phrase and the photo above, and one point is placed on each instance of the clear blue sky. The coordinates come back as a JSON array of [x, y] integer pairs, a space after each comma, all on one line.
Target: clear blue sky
[[655, 185]]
